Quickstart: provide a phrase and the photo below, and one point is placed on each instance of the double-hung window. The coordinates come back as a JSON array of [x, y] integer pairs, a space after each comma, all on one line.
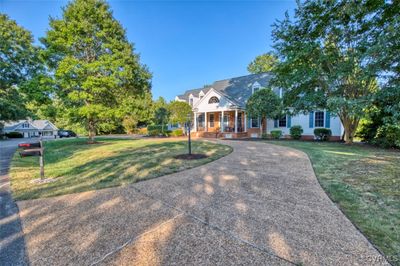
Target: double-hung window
[[200, 120], [282, 121], [319, 119], [211, 120], [254, 122]]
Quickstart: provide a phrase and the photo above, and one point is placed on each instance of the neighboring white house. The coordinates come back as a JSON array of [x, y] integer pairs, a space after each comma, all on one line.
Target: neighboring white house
[[31, 128], [220, 110]]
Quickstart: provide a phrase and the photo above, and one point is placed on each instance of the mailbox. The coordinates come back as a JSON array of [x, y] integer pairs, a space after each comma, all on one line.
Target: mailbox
[[29, 145], [31, 152]]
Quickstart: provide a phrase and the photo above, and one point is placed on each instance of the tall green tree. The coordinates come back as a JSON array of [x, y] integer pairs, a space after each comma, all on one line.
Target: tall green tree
[[383, 39], [19, 70], [323, 60], [262, 63], [383, 43], [161, 117], [94, 64], [180, 112], [264, 104], [136, 109]]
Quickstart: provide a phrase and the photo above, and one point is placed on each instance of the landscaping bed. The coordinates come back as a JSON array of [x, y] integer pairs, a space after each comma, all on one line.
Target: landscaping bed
[[364, 182], [77, 166]]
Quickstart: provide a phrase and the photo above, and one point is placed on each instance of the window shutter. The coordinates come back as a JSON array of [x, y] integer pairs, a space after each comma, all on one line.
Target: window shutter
[[276, 123], [327, 119], [311, 120], [248, 122], [289, 121]]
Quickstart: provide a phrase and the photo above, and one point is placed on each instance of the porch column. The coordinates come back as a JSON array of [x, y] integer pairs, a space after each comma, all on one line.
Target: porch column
[[236, 118], [205, 122], [195, 122], [245, 122], [222, 121]]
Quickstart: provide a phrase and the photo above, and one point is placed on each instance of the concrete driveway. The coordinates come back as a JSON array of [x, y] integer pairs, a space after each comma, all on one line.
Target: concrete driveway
[[12, 244], [260, 205]]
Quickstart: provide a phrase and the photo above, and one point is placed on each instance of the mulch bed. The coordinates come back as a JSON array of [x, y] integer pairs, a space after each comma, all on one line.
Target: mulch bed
[[193, 156]]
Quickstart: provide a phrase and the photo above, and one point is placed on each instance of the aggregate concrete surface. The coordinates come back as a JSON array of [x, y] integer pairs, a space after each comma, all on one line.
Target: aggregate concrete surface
[[260, 205]]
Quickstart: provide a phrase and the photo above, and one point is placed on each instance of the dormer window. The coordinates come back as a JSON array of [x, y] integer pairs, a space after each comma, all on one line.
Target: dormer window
[[201, 95], [25, 125], [213, 100], [191, 101], [256, 86]]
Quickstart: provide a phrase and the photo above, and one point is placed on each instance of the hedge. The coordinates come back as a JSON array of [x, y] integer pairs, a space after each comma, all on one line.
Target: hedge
[[276, 134], [296, 131], [322, 134], [177, 132], [156, 130]]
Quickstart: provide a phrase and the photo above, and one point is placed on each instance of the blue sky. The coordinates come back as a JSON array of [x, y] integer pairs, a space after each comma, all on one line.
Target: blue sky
[[185, 44]]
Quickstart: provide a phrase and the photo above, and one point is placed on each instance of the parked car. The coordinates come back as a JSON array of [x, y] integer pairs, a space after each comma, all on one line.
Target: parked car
[[66, 133]]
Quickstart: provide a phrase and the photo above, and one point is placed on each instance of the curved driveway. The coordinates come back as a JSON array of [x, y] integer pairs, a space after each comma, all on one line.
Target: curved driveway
[[260, 205]]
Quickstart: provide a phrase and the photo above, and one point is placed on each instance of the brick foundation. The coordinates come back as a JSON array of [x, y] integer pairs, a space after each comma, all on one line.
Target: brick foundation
[[251, 133]]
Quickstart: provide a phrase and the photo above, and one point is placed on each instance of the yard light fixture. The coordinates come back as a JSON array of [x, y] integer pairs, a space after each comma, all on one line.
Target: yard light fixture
[[188, 124]]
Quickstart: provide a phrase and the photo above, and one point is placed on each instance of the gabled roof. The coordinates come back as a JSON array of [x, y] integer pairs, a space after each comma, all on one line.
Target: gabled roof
[[34, 124], [233, 102], [238, 90]]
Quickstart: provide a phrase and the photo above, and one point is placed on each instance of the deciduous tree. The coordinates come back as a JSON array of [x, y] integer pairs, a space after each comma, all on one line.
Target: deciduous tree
[[94, 64], [262, 63], [19, 70], [264, 103], [179, 112], [323, 62]]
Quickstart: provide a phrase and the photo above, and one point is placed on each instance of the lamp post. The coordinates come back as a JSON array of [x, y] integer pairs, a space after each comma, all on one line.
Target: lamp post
[[189, 139]]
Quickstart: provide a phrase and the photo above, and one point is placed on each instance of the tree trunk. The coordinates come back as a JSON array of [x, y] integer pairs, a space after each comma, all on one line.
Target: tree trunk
[[92, 131], [350, 126]]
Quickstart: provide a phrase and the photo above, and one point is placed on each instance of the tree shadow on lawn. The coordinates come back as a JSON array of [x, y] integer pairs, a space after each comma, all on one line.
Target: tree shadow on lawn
[[125, 166], [60, 151]]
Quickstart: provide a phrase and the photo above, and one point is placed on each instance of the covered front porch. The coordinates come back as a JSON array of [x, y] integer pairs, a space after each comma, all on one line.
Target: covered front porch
[[225, 124]]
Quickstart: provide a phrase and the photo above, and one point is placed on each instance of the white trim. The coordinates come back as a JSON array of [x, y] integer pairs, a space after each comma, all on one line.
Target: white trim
[[323, 117], [221, 122], [209, 92], [279, 126], [258, 122], [245, 122], [255, 85], [236, 121]]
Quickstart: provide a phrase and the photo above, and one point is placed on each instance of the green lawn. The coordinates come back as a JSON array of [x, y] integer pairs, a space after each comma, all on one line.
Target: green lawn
[[79, 166], [365, 183]]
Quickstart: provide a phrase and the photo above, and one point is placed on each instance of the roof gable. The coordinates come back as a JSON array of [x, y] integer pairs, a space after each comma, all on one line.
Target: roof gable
[[223, 101], [237, 90], [33, 124]]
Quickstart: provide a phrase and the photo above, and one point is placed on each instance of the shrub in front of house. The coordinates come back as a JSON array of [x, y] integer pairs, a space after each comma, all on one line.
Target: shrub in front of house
[[265, 136], [14, 135], [296, 131], [276, 134], [176, 132], [156, 130], [388, 136], [323, 134]]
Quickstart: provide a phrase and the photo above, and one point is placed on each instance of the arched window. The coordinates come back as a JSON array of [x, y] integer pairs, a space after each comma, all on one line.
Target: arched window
[[213, 100]]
